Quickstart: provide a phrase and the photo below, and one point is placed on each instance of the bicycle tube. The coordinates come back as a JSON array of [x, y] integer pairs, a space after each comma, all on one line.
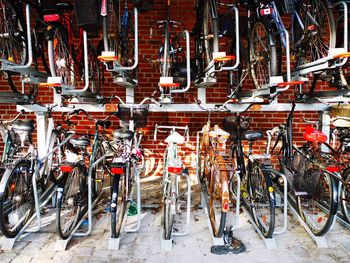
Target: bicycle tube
[[345, 196]]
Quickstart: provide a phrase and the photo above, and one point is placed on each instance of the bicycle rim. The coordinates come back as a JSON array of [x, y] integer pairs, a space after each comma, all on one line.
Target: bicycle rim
[[262, 55], [318, 211], [16, 204], [94, 72], [68, 203], [210, 31], [216, 214], [99, 171], [263, 208]]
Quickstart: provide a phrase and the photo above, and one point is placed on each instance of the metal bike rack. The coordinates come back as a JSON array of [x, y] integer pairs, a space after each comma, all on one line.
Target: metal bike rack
[[40, 202], [326, 62], [61, 244], [114, 243], [204, 198], [122, 80], [28, 74]]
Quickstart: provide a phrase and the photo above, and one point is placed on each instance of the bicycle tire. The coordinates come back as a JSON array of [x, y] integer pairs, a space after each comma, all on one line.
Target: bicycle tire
[[262, 59], [60, 59], [215, 193], [168, 214], [345, 196], [25, 193], [312, 42], [261, 195], [69, 202], [314, 210], [57, 157], [210, 31]]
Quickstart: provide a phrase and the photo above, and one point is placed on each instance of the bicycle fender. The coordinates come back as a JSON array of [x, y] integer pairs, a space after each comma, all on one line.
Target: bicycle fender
[[4, 180]]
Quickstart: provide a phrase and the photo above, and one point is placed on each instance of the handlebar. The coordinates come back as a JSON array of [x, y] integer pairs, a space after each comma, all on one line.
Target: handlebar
[[14, 119], [317, 122], [138, 105], [172, 129]]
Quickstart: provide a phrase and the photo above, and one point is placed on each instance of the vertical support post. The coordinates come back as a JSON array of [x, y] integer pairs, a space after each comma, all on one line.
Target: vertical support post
[[202, 96], [129, 98], [41, 123], [326, 120]]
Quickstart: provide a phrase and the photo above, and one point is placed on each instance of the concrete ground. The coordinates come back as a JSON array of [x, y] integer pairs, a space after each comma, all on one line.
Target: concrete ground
[[144, 246]]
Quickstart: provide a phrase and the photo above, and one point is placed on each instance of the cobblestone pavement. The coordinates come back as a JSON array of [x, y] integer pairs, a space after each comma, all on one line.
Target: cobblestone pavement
[[144, 246]]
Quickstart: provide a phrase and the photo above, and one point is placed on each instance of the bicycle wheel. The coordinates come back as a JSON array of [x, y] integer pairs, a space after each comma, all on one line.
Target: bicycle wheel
[[99, 172], [168, 204], [210, 31], [318, 210], [55, 160], [16, 203], [218, 186], [13, 34], [345, 197], [69, 202], [94, 71], [314, 35], [61, 60], [262, 200], [262, 54]]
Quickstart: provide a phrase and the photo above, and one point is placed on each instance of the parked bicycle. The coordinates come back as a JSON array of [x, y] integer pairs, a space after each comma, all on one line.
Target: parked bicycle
[[172, 172]]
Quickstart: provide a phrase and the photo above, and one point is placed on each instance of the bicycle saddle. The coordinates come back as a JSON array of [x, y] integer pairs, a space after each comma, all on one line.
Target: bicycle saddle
[[345, 139], [123, 134], [27, 126], [252, 135], [80, 142], [104, 124], [64, 7], [175, 137]]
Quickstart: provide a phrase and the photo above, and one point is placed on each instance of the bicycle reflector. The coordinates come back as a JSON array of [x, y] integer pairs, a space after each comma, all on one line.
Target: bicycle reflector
[[66, 168], [117, 170], [333, 169], [174, 169], [51, 18], [266, 11], [225, 205]]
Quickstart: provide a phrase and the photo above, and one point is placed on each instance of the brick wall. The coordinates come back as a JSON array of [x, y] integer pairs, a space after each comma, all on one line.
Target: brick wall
[[182, 10]]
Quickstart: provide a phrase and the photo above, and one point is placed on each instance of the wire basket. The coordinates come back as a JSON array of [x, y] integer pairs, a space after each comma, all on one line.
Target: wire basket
[[139, 116], [285, 6]]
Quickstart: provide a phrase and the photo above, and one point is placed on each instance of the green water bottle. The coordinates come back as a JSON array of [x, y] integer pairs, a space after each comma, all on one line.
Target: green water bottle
[[132, 209]]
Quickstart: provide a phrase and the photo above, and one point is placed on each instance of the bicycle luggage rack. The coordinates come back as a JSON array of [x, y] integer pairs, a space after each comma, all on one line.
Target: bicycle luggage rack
[[214, 66], [28, 74], [61, 244], [110, 57], [204, 198], [114, 243], [40, 202]]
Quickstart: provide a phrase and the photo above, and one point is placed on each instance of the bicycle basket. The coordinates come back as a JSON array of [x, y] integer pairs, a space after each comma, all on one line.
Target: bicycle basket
[[285, 6], [88, 15], [139, 117], [305, 178]]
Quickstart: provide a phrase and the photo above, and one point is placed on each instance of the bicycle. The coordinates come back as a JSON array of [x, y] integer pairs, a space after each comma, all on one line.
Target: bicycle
[[255, 171], [25, 171], [214, 172], [172, 171], [312, 181], [116, 47], [73, 194], [127, 161]]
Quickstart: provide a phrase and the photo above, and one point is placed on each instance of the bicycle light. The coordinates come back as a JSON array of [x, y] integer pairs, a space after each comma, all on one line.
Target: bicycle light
[[175, 166], [66, 168]]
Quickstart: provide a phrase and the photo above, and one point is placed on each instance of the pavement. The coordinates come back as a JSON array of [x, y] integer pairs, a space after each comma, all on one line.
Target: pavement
[[295, 245]]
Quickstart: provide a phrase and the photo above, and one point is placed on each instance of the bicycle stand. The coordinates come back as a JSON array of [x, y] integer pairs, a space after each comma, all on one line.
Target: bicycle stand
[[166, 244], [320, 241], [61, 244], [28, 74], [114, 243]]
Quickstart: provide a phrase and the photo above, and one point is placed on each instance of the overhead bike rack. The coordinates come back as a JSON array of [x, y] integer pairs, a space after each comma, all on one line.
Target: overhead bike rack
[[114, 243], [121, 77], [61, 244], [28, 74], [40, 202], [204, 198], [214, 66]]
